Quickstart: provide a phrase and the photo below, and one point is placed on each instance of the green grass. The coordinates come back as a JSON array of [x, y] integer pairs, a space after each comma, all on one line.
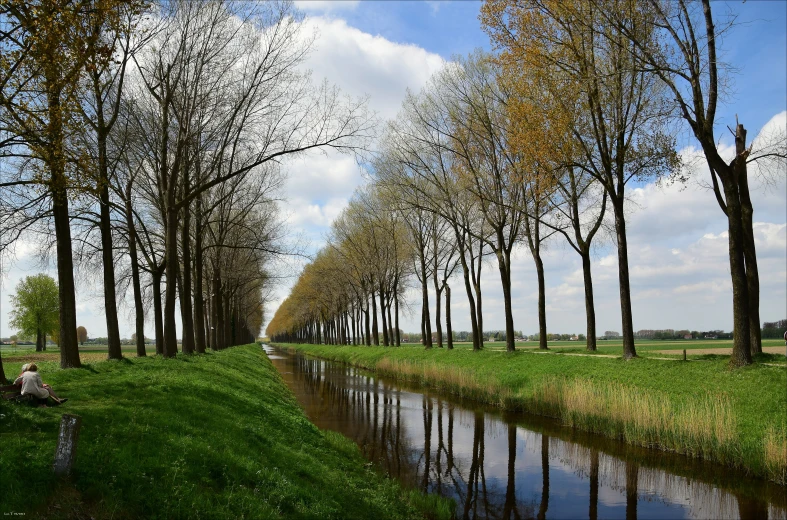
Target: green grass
[[701, 408], [211, 436]]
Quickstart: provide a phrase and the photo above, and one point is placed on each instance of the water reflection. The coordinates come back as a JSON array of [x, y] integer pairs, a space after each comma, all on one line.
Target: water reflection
[[514, 466]]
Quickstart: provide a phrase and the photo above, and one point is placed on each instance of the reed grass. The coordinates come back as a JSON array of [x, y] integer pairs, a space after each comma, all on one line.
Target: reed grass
[[703, 427], [775, 452], [702, 410]]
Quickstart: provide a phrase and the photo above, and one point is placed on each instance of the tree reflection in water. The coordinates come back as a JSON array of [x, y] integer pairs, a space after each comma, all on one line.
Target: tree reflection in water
[[495, 467]]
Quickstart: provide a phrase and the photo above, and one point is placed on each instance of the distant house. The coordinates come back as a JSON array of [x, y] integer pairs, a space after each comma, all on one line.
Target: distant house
[[574, 338], [687, 336]]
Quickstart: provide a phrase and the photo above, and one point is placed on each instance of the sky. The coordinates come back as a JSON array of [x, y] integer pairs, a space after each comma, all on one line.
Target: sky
[[677, 234]]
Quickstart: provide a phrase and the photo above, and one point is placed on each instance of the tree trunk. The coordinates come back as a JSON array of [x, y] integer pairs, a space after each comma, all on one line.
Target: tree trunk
[[427, 322], [542, 304], [375, 331], [366, 322], [139, 308], [105, 225], [159, 318], [590, 309], [218, 312], [382, 315], [39, 341], [505, 279], [438, 319], [390, 323], [741, 350], [450, 330], [186, 313], [199, 311], [69, 348], [749, 249], [396, 314], [227, 307], [623, 277], [469, 290], [206, 317], [477, 286], [170, 296]]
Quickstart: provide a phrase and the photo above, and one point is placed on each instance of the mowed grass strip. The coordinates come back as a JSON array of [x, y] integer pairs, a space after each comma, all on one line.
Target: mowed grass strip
[[211, 436], [704, 409]]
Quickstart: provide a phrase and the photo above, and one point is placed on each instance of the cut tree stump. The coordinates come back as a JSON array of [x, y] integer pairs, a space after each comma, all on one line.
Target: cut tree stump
[[66, 444]]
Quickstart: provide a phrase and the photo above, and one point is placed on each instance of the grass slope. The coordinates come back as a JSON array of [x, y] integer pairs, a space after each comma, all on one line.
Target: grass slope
[[211, 436], [700, 408]]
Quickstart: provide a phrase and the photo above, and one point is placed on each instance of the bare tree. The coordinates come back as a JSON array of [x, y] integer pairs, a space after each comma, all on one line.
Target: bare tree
[[684, 57], [240, 61]]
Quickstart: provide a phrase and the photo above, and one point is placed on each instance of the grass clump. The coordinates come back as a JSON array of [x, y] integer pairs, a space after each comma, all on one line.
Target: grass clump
[[701, 408], [211, 436]]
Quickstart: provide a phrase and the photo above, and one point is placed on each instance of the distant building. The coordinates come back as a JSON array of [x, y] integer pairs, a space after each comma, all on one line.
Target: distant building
[[687, 336]]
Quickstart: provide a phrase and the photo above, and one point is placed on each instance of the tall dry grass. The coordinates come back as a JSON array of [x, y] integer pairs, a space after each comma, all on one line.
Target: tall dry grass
[[775, 450], [704, 427], [463, 383]]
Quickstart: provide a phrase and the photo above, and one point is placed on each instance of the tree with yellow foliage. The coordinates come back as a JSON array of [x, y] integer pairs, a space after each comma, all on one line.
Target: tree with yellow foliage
[[603, 111]]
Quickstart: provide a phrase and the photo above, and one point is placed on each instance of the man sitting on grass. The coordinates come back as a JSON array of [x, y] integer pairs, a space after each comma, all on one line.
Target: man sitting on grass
[[32, 384]]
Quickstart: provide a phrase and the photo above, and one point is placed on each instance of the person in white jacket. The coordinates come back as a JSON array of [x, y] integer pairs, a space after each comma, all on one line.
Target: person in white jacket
[[32, 384]]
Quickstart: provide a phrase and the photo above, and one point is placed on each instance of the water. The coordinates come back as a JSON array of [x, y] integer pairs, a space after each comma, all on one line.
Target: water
[[514, 465]]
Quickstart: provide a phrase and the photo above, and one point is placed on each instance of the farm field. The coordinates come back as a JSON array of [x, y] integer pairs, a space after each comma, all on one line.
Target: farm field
[[695, 349]]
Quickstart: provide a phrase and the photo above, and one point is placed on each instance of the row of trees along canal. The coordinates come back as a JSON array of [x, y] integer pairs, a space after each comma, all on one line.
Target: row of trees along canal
[[534, 141], [144, 140]]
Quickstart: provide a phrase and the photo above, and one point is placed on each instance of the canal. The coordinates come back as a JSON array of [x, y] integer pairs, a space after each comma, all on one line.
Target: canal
[[500, 465]]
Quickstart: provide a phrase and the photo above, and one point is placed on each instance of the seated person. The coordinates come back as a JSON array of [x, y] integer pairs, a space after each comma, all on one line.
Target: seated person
[[32, 384]]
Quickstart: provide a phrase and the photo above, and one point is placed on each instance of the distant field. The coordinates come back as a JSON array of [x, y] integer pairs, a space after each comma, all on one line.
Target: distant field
[[695, 349], [90, 353]]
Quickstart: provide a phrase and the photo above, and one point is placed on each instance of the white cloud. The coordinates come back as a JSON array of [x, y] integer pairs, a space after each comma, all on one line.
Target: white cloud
[[318, 186], [364, 64], [326, 6]]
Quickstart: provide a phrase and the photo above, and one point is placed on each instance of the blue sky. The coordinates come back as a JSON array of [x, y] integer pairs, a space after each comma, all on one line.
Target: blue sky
[[677, 245]]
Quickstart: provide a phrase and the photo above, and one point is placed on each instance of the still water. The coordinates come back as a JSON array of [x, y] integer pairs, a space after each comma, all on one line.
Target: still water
[[513, 465]]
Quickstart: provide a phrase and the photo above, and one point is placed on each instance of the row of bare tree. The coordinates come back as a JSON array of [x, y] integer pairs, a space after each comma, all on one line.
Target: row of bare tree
[[538, 139], [146, 140]]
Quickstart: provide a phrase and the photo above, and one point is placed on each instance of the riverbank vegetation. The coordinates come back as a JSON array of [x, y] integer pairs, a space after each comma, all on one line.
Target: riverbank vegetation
[[211, 436], [700, 408]]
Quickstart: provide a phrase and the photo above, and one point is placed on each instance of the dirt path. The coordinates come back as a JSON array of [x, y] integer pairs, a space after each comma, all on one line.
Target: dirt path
[[720, 351]]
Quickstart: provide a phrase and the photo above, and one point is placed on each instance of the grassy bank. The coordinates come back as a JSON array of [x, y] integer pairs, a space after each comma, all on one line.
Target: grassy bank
[[211, 436], [699, 408]]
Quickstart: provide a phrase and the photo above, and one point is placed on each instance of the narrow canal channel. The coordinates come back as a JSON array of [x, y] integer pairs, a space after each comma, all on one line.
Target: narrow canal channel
[[513, 465]]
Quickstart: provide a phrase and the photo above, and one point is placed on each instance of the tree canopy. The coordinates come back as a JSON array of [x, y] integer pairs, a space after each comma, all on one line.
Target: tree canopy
[[36, 311]]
